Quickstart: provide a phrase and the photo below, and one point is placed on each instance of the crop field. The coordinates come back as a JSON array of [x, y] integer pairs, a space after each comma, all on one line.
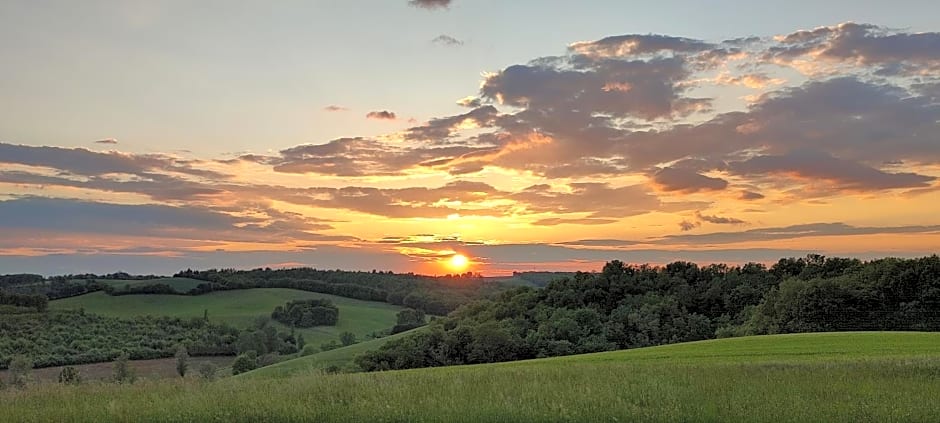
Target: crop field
[[838, 377], [240, 308]]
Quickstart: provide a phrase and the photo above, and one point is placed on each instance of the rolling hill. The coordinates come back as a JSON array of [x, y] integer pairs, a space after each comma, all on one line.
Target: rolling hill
[[240, 308], [339, 358], [829, 377], [180, 285]]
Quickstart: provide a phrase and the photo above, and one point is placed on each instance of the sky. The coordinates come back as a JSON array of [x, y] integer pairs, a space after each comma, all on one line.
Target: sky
[[151, 137]]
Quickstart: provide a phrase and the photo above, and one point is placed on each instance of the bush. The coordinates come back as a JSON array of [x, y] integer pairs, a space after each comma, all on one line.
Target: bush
[[182, 360], [123, 373], [20, 368], [332, 345], [307, 313], [309, 350], [347, 338], [70, 376], [207, 370], [245, 362]]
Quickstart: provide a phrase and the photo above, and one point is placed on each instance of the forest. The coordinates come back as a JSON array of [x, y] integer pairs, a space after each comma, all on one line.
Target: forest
[[626, 306]]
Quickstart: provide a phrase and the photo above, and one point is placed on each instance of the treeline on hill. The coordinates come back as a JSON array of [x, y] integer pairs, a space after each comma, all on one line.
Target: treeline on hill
[[433, 295], [52, 288], [12, 302], [60, 338], [307, 313], [637, 306]]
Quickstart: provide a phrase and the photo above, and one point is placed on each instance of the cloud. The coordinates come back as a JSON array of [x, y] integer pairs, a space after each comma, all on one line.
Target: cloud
[[634, 44], [750, 195], [447, 40], [80, 161], [816, 167], [686, 225], [430, 4], [719, 220], [792, 232], [381, 115], [863, 45], [335, 108], [678, 179], [107, 141]]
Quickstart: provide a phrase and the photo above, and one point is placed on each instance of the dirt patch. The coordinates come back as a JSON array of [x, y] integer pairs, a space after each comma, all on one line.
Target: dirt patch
[[144, 369]]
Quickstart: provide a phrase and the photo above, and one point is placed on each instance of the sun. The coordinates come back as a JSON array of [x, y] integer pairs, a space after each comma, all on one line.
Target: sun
[[458, 262]]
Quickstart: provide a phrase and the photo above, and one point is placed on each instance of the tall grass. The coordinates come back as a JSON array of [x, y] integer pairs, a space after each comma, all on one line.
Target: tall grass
[[845, 386]]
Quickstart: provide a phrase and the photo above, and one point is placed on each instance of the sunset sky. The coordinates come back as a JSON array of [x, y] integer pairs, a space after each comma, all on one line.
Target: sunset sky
[[151, 137]]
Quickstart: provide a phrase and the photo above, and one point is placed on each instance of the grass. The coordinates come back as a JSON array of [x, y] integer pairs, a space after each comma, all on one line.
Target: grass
[[848, 377], [240, 308], [181, 285], [340, 358]]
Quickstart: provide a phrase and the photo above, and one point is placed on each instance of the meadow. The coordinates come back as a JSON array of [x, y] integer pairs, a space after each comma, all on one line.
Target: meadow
[[832, 377], [240, 308]]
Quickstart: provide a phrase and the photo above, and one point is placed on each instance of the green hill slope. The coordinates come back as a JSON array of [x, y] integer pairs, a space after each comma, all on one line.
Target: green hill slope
[[843, 377], [240, 308], [340, 358]]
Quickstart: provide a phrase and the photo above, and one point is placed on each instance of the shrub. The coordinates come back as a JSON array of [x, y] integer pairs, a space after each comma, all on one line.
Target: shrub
[[182, 360], [123, 373], [207, 370], [70, 376], [245, 362]]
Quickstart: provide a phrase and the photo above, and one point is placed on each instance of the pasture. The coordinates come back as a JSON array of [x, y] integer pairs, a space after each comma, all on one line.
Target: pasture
[[837, 377]]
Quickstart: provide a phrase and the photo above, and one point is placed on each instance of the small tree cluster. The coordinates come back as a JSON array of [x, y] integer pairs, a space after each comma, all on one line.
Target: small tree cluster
[[70, 376], [307, 313], [408, 319], [123, 373]]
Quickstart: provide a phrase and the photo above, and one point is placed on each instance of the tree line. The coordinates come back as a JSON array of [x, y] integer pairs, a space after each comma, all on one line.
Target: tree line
[[636, 306]]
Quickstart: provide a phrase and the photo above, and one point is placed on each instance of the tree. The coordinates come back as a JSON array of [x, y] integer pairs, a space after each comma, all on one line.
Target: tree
[[182, 360], [70, 376], [326, 346], [245, 362], [207, 370], [20, 368], [301, 342], [122, 370], [347, 338]]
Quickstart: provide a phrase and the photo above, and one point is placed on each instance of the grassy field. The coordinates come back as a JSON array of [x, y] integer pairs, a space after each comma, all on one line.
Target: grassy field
[[240, 308], [340, 358], [181, 285], [853, 377]]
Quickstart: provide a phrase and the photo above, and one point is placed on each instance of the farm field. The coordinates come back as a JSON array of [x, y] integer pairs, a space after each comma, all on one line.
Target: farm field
[[161, 368], [834, 377], [240, 308]]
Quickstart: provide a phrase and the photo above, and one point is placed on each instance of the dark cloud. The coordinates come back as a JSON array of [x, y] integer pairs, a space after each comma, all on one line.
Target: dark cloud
[[447, 40], [820, 167], [184, 223], [430, 4], [864, 44], [335, 108], [554, 221], [80, 161], [686, 225], [792, 232], [751, 195], [719, 219], [683, 180], [381, 115], [107, 141], [629, 45]]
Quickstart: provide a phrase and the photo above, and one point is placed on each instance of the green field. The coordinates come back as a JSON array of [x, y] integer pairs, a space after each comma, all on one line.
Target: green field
[[181, 285], [341, 358], [846, 377], [240, 308]]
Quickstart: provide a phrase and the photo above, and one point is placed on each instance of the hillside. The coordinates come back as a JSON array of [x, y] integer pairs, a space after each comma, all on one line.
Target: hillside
[[339, 358], [240, 308], [831, 377]]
